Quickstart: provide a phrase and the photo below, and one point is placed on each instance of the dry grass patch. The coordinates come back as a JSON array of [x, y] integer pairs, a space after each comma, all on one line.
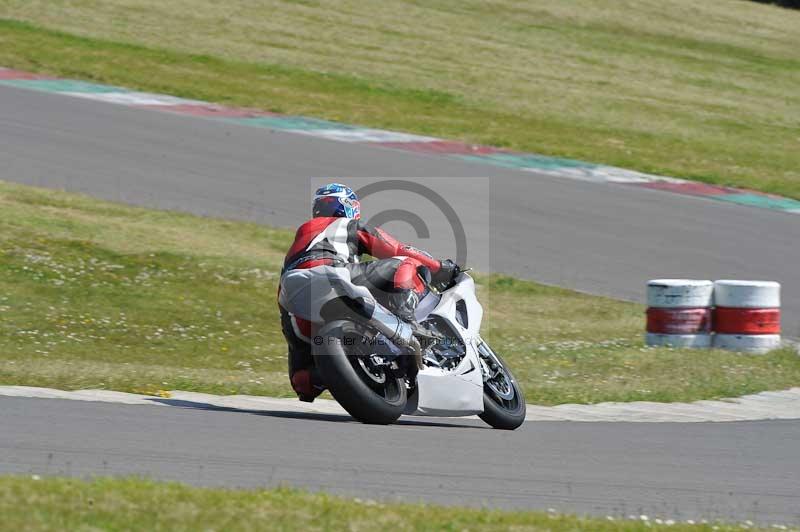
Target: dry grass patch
[[705, 90]]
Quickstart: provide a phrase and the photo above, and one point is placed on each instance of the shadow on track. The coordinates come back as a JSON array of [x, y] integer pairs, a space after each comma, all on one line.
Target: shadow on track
[[331, 418]]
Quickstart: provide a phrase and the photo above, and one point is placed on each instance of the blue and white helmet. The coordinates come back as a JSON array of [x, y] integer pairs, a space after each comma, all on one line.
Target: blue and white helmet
[[336, 200]]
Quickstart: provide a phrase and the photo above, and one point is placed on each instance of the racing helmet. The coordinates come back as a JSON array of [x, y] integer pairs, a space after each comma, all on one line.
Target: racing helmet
[[336, 200]]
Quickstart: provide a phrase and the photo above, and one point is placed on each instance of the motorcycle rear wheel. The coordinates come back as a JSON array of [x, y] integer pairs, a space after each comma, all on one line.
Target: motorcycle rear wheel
[[367, 394]]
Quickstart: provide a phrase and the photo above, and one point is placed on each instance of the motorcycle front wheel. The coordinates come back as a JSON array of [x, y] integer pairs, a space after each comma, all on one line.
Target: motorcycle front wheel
[[503, 402], [371, 394]]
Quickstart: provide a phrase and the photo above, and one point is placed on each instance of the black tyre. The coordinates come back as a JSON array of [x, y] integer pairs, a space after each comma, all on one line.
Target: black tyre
[[503, 402], [351, 382]]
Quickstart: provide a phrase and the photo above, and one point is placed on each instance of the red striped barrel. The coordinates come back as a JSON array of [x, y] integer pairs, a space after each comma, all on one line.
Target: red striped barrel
[[679, 320], [679, 312], [747, 320], [747, 315]]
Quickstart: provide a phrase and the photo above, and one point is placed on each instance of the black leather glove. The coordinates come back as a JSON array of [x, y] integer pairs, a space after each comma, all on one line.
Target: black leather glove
[[448, 271]]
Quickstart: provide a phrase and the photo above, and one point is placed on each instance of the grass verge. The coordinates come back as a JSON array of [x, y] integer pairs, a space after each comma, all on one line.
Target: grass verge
[[99, 295], [134, 504], [675, 88]]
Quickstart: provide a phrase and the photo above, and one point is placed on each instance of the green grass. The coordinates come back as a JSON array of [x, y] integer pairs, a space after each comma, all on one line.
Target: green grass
[[705, 90], [133, 504], [99, 295]]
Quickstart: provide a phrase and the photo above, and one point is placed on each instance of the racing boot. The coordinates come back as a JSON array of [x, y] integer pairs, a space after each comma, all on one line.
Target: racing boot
[[307, 384]]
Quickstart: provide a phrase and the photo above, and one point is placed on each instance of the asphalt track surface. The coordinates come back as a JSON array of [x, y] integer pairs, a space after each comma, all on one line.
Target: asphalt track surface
[[598, 238], [727, 471]]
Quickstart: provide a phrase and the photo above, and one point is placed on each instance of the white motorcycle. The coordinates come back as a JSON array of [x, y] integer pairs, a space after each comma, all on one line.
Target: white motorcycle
[[454, 373]]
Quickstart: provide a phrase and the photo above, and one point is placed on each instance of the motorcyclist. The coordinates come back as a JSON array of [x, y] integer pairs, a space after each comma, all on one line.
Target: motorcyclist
[[326, 252]]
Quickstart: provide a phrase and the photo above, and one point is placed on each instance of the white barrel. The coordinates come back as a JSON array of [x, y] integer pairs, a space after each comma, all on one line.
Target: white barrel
[[686, 293], [748, 343], [696, 341], [679, 312], [747, 315], [747, 294]]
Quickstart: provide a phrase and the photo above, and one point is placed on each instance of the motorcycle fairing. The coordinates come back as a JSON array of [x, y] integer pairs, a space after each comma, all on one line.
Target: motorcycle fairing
[[457, 392]]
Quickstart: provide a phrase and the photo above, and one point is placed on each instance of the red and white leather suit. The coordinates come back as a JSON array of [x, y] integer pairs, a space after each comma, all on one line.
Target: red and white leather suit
[[393, 279]]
